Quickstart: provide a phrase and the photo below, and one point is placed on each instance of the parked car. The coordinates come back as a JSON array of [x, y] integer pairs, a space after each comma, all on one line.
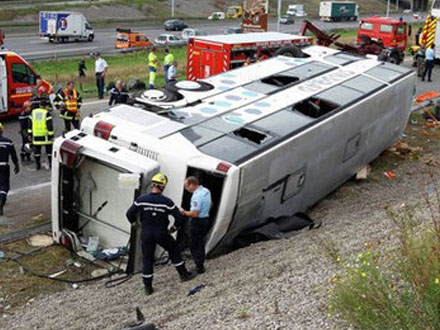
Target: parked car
[[174, 25], [169, 39], [190, 32], [233, 30], [287, 19], [217, 15]]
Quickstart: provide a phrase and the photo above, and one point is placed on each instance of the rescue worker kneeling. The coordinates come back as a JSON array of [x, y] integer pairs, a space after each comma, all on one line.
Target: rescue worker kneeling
[[154, 209], [69, 101]]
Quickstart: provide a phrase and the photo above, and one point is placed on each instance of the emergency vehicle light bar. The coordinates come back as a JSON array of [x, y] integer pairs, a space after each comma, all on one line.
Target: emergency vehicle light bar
[[103, 130]]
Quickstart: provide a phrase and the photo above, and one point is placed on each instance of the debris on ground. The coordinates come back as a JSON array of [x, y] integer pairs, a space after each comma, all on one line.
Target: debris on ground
[[196, 289], [430, 160], [363, 173], [40, 240], [390, 175], [402, 148]]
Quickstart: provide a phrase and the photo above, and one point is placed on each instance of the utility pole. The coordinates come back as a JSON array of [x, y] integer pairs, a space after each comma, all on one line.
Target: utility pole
[[279, 15], [172, 8], [397, 5], [388, 8]]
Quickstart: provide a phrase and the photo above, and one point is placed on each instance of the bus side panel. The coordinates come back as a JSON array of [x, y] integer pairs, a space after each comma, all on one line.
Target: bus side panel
[[294, 175]]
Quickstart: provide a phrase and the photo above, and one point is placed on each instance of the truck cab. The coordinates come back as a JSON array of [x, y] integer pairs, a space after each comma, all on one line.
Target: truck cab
[[17, 80], [234, 12], [390, 32], [126, 38]]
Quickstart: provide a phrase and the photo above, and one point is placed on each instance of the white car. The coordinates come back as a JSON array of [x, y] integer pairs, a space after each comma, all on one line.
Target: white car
[[169, 39], [217, 15], [190, 32]]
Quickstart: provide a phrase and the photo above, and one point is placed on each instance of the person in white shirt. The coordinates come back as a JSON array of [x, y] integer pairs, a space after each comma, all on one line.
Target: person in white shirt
[[172, 72], [100, 70]]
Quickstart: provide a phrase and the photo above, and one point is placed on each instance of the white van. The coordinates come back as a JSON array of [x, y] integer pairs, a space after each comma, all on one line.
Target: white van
[[267, 142]]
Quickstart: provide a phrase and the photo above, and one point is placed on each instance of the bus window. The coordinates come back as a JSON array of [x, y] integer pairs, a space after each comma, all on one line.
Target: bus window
[[228, 149], [387, 72], [309, 70], [282, 122], [342, 58], [363, 84]]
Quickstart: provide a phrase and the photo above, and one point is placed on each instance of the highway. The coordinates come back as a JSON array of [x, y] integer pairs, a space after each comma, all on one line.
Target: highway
[[31, 46]]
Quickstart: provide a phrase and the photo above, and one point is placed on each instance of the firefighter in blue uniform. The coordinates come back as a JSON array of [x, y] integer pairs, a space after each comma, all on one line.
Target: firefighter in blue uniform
[[6, 149], [154, 209]]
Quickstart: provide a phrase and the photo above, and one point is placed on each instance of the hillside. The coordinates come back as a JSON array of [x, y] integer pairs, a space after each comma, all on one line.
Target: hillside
[[101, 10]]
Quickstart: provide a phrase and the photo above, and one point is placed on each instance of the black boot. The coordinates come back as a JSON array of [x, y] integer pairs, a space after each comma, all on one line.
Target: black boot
[[184, 274], [200, 269], [148, 289]]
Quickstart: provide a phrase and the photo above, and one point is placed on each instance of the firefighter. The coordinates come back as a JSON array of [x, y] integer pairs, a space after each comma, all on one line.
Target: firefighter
[[420, 60], [153, 63], [69, 102], [41, 132], [6, 149], [154, 209], [23, 119], [37, 95], [167, 62], [118, 94]]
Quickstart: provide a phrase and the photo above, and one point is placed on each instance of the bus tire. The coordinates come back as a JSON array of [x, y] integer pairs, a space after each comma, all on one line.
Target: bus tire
[[291, 51]]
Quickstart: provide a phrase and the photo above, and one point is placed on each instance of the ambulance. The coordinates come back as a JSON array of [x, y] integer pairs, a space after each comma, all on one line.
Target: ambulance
[[269, 140], [17, 80]]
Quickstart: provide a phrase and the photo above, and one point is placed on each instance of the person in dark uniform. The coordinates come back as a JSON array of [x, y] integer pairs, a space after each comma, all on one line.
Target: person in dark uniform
[[154, 209], [23, 119], [118, 94], [6, 149], [200, 221]]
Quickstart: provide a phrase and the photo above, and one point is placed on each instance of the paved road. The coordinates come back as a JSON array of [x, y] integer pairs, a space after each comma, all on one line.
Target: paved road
[[31, 46]]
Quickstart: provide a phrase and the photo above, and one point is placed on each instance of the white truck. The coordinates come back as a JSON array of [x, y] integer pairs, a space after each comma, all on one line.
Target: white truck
[[338, 11], [65, 26], [216, 15], [296, 10]]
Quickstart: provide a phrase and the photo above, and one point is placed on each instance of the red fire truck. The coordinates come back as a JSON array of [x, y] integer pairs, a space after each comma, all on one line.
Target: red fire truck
[[209, 55], [390, 32], [17, 79]]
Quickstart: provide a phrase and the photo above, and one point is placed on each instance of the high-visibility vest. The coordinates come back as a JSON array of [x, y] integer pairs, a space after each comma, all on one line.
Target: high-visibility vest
[[71, 100], [152, 60], [40, 133], [168, 60]]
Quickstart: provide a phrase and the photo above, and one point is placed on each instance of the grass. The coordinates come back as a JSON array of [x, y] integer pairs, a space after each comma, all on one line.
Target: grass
[[121, 66], [18, 287], [397, 285]]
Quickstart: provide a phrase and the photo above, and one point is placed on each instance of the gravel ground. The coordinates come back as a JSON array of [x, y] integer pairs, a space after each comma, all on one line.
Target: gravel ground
[[270, 285]]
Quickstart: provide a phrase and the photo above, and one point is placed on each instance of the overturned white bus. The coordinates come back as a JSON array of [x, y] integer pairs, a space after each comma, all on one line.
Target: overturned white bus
[[268, 140]]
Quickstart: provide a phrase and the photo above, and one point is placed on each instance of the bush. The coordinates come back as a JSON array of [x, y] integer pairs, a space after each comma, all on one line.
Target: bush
[[396, 287]]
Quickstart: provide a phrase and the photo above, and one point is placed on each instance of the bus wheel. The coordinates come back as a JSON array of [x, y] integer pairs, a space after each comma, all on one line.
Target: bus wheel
[[291, 51]]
